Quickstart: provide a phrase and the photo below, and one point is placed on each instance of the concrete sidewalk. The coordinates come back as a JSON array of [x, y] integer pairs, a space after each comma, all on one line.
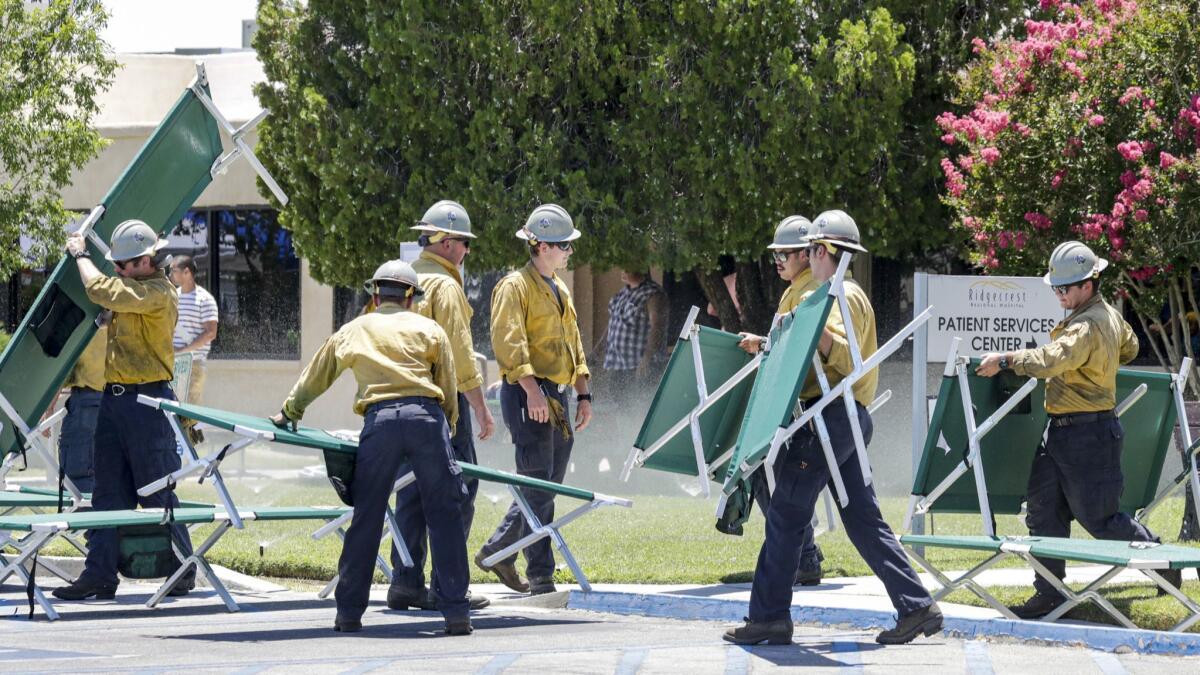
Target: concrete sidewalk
[[862, 602]]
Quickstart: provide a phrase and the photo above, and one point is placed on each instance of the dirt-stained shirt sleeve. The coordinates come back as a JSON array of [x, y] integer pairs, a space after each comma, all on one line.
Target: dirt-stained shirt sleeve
[[1067, 352], [1129, 344], [132, 296], [510, 342], [317, 377]]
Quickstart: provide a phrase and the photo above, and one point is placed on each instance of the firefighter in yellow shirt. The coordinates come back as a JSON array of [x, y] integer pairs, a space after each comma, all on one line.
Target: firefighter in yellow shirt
[[1076, 472], [445, 241], [408, 397], [789, 249], [535, 336], [134, 444], [805, 473]]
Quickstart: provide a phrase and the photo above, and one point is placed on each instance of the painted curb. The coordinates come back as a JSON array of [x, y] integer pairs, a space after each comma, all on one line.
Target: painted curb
[[1103, 638]]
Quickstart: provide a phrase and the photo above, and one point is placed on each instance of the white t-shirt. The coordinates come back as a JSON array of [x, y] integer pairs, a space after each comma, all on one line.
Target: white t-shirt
[[195, 309]]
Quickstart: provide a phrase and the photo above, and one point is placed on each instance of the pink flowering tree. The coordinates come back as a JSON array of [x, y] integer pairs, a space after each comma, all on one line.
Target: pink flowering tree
[[1085, 125]]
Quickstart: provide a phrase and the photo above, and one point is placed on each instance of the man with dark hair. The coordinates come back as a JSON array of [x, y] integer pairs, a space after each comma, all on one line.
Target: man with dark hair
[[408, 398], [1077, 470], [805, 472], [634, 350], [134, 444], [197, 325], [535, 335]]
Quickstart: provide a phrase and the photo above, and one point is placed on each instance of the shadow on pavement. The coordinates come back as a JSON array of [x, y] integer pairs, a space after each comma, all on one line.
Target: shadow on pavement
[[378, 626]]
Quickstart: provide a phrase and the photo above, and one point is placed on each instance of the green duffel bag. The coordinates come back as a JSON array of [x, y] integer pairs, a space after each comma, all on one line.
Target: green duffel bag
[[146, 552], [339, 467]]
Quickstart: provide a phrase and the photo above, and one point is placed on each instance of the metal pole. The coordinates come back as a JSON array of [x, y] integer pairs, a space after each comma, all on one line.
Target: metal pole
[[920, 359]]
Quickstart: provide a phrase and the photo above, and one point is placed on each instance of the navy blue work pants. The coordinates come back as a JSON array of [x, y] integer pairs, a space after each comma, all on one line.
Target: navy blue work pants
[[810, 552], [410, 430], [411, 518], [803, 474], [1077, 475], [542, 452], [134, 446], [76, 438]]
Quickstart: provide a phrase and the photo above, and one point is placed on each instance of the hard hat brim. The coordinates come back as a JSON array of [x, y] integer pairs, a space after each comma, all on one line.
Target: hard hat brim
[[840, 243], [149, 250], [787, 247], [369, 287], [1101, 265], [426, 227], [524, 235]]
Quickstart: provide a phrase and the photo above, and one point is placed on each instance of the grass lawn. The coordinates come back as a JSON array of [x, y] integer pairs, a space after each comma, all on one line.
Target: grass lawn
[[661, 540]]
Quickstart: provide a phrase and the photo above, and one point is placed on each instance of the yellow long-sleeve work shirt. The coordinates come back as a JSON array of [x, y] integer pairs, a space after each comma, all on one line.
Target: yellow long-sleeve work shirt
[[445, 302], [143, 325], [838, 364], [531, 333], [1081, 360], [800, 287], [89, 369], [393, 353]]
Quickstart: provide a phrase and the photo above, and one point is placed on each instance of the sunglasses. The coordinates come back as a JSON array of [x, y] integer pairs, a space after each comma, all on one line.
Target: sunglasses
[[1062, 290], [782, 256], [560, 245], [465, 242]]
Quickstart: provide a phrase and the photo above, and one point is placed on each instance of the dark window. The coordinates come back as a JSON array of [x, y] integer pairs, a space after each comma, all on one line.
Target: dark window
[[254, 276]]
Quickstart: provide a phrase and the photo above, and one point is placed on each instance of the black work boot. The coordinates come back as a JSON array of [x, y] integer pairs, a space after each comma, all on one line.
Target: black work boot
[[402, 597], [82, 590], [1173, 577], [506, 571], [927, 620], [1038, 606], [343, 624], [778, 632], [541, 585], [459, 626]]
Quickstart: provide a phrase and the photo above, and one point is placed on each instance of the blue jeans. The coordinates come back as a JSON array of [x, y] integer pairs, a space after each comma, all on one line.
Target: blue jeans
[[542, 452], [76, 439], [803, 474], [413, 430], [1077, 475], [411, 518], [134, 446]]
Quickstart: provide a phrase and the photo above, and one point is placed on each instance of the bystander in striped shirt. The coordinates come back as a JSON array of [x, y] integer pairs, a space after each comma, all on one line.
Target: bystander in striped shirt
[[195, 309]]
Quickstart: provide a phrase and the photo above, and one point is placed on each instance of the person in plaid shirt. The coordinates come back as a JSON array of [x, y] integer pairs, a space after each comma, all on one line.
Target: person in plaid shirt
[[636, 320]]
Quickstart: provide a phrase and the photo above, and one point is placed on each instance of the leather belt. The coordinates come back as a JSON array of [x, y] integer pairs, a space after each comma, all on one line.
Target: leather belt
[[1080, 418], [146, 387]]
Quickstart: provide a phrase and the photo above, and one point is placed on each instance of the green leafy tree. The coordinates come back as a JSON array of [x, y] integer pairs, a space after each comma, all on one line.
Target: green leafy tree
[[674, 133], [1087, 126], [53, 64]]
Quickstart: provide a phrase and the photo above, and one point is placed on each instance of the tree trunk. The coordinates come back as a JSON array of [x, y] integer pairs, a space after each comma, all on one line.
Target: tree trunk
[[754, 296], [713, 284], [1189, 529]]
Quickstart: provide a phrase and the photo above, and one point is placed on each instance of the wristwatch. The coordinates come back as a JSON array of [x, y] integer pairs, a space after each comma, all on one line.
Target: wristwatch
[[580, 398], [1004, 362], [83, 253]]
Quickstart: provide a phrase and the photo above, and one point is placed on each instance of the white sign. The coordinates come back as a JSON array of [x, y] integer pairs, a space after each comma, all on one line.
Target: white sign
[[990, 314]]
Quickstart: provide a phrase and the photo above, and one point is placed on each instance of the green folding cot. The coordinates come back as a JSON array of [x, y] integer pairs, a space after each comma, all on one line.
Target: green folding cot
[[1006, 424], [997, 442], [338, 450], [175, 165], [773, 413], [694, 417], [42, 529], [1148, 558]]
